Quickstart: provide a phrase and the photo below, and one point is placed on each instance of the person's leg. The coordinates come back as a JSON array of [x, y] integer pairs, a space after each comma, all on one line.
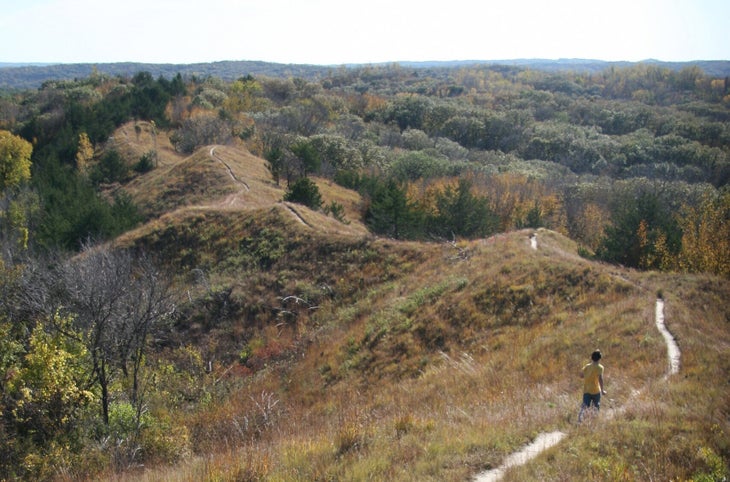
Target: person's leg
[[597, 401], [583, 406]]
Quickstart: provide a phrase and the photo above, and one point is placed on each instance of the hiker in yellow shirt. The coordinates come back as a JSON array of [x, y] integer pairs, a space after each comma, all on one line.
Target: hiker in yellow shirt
[[592, 384]]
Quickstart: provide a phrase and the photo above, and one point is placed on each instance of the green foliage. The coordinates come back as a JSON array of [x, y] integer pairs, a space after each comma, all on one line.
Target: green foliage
[[461, 213], [412, 166], [304, 191], [403, 141], [18, 211], [390, 212], [337, 211], [110, 169], [265, 248], [146, 163], [308, 155], [74, 212], [148, 98], [335, 153], [717, 469], [533, 218], [637, 225], [409, 111]]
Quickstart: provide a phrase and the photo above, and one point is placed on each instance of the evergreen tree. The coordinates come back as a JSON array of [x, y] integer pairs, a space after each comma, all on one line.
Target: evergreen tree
[[461, 213], [391, 213], [304, 191], [639, 225]]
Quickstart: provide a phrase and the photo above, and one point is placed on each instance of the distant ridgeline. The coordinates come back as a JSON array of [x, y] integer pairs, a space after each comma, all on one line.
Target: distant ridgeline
[[33, 76], [19, 76]]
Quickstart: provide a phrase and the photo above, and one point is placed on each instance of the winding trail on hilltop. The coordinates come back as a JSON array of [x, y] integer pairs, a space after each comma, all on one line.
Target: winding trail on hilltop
[[545, 441], [232, 199], [228, 167]]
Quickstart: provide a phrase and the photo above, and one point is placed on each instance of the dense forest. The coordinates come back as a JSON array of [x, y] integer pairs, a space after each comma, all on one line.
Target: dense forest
[[632, 163]]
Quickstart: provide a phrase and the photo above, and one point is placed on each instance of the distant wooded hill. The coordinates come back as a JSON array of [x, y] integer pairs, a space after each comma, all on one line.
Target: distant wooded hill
[[16, 76]]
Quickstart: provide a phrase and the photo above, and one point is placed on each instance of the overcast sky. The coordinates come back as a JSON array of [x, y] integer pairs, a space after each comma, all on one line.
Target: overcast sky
[[336, 32]]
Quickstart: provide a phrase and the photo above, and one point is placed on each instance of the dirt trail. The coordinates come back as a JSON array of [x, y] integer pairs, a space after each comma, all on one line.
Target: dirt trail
[[296, 214], [673, 352], [230, 171], [546, 440], [543, 442]]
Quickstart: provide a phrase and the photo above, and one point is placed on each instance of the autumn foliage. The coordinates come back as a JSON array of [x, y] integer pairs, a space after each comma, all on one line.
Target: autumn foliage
[[280, 278]]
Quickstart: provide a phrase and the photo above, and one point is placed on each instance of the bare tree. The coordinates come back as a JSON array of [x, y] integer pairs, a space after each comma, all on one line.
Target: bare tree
[[150, 304], [117, 300]]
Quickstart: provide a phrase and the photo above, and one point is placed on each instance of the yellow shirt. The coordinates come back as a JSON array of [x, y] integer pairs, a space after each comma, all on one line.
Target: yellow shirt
[[591, 374]]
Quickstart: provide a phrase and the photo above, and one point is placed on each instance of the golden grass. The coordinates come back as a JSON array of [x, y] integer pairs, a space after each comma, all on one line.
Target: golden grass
[[419, 364]]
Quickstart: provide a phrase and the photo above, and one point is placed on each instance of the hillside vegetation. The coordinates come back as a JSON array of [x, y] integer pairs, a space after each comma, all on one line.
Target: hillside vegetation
[[275, 279]]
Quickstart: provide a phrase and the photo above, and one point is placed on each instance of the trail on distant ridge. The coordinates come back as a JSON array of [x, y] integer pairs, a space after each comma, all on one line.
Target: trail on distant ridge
[[228, 167]]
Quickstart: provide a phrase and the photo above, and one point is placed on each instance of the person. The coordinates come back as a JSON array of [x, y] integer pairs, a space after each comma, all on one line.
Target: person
[[593, 387]]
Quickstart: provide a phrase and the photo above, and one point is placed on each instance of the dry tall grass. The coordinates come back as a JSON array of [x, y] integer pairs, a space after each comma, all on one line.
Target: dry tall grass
[[434, 362]]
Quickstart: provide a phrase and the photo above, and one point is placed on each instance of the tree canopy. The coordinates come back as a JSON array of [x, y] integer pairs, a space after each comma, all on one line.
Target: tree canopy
[[15, 160]]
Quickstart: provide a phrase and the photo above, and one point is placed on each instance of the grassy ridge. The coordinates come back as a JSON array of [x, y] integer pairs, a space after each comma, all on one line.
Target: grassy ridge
[[417, 378], [339, 356]]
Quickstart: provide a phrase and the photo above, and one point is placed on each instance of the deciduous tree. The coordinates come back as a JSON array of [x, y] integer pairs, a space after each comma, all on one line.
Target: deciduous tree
[[15, 162], [706, 236], [116, 301], [85, 153]]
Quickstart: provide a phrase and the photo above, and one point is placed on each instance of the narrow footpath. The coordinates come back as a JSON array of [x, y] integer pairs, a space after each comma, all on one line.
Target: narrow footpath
[[546, 440]]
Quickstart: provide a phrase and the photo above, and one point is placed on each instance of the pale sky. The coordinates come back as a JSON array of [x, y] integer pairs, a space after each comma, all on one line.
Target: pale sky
[[332, 32]]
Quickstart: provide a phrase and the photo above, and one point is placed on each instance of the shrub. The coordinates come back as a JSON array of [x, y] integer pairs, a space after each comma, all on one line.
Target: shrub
[[146, 163], [304, 191], [337, 211]]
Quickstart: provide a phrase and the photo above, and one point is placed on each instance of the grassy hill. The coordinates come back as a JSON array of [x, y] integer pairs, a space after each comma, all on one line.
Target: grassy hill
[[308, 349]]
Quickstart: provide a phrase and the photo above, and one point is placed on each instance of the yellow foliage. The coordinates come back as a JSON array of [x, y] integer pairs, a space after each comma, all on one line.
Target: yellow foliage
[[84, 153], [706, 236], [50, 373], [513, 195], [178, 109], [245, 96], [14, 159], [590, 224]]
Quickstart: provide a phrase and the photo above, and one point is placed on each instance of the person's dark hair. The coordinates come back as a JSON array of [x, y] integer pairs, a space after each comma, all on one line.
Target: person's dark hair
[[596, 355]]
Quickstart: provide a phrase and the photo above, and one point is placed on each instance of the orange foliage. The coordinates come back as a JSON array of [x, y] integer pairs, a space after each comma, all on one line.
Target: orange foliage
[[513, 195], [178, 109], [365, 104]]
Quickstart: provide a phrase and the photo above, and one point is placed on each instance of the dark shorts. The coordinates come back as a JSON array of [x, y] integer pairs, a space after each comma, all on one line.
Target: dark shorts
[[594, 399]]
